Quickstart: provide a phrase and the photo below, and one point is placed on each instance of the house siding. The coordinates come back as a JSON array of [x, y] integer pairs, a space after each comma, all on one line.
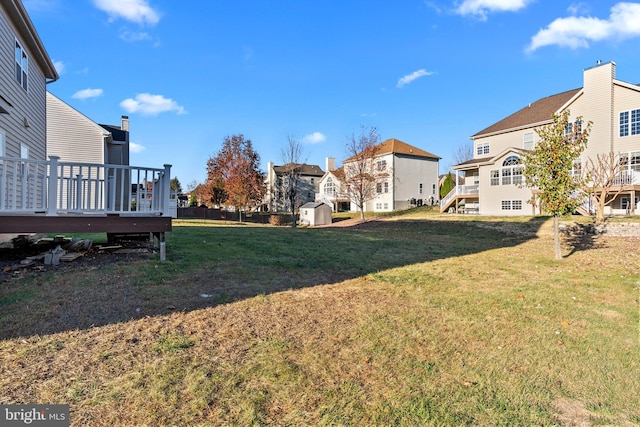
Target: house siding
[[600, 101], [72, 136], [30, 104], [409, 173]]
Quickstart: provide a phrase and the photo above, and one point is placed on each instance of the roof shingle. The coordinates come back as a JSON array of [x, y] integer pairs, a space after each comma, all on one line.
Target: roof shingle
[[540, 111]]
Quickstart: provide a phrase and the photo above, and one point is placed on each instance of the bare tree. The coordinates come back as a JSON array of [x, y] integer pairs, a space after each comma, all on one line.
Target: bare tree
[[291, 154], [362, 173], [463, 153], [604, 178]]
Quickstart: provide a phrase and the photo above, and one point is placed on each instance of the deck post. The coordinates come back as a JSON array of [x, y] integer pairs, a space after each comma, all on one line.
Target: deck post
[[52, 186], [163, 250], [166, 195]]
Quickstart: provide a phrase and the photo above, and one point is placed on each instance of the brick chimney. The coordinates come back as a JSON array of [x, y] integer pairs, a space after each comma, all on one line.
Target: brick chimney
[[330, 164]]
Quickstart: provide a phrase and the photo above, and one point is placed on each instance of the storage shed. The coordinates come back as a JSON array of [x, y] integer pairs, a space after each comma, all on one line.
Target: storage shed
[[313, 214]]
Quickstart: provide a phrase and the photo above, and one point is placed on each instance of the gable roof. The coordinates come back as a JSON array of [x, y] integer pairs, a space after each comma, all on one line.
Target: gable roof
[[305, 169], [19, 16], [540, 111], [395, 146]]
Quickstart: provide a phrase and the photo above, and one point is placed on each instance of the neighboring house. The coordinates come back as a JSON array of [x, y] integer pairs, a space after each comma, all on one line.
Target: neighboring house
[[66, 126], [47, 195], [412, 180], [331, 188], [315, 213], [101, 144], [492, 183], [276, 181]]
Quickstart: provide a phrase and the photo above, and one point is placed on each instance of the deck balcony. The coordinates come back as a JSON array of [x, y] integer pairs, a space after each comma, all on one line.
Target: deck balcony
[[50, 196]]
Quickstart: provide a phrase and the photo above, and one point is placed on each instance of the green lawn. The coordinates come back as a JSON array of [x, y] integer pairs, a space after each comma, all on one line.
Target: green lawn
[[410, 320]]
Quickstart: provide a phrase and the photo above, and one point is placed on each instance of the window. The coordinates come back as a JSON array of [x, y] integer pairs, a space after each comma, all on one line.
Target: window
[[629, 121], [386, 187], [386, 205], [625, 202], [379, 187], [506, 176], [381, 165], [506, 205], [576, 169], [420, 188], [378, 206], [517, 176], [313, 181], [495, 177], [516, 205], [329, 187], [21, 65], [433, 189], [476, 178], [482, 148], [624, 123], [527, 141], [511, 169]]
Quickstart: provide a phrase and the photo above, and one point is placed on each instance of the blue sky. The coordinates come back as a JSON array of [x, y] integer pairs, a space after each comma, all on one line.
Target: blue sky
[[428, 72]]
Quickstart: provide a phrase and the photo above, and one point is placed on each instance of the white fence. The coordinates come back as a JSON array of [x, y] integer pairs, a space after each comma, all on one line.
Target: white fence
[[53, 187]]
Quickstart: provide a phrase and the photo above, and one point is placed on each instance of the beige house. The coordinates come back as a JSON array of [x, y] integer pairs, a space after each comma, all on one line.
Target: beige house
[[412, 179], [492, 182]]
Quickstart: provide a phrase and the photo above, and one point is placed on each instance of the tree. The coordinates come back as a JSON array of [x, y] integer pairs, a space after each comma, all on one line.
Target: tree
[[548, 168], [174, 186], [236, 167], [463, 153], [362, 173], [447, 186], [291, 155], [603, 174]]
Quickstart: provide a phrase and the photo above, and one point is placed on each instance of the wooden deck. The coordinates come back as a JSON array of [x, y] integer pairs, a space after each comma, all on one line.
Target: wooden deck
[[112, 224]]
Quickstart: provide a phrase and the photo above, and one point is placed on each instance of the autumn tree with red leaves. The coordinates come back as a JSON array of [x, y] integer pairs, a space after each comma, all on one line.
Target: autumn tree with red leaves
[[235, 173]]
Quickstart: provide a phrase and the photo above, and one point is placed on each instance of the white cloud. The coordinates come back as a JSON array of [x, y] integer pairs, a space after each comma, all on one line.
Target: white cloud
[[480, 8], [314, 138], [413, 76], [137, 11], [129, 36], [577, 32], [87, 93], [151, 105], [59, 66], [136, 148]]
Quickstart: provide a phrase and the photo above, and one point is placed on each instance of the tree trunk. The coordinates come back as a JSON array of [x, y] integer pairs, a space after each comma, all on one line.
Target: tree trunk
[[362, 214], [293, 218], [556, 236]]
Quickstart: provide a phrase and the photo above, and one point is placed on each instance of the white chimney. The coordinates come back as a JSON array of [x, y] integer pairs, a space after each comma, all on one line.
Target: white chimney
[[330, 164], [124, 123]]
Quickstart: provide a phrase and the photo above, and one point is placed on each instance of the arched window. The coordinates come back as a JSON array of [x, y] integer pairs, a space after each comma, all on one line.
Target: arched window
[[329, 187], [511, 171], [511, 161]]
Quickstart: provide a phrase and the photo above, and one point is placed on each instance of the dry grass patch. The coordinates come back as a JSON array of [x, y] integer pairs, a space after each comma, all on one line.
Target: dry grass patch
[[439, 324]]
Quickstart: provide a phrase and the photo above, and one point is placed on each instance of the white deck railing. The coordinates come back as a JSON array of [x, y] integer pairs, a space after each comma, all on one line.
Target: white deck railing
[[459, 190], [53, 187]]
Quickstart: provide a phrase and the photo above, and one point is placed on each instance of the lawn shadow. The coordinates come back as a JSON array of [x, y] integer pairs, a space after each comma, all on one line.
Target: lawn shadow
[[580, 237], [208, 266]]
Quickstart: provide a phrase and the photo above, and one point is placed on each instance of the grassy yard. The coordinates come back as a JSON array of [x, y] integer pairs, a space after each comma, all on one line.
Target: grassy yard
[[410, 320]]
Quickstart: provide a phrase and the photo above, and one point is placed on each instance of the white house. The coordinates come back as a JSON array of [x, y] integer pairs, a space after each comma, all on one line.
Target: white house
[[412, 177], [492, 182]]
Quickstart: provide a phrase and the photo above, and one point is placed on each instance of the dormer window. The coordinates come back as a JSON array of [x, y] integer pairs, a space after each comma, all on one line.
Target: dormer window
[[21, 65]]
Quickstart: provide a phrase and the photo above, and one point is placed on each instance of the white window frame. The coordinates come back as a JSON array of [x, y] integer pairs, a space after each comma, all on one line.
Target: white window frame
[[528, 141], [516, 205], [494, 177], [629, 123], [482, 148], [21, 65], [506, 205]]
